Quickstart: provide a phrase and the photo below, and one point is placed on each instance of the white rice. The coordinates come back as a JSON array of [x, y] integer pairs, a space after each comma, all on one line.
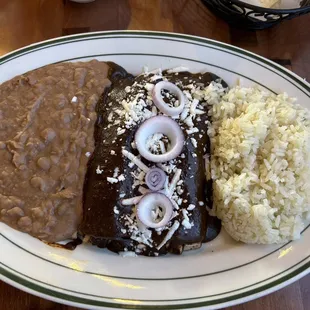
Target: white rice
[[260, 164]]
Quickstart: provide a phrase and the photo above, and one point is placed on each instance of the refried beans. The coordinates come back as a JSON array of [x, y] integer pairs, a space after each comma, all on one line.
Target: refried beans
[[47, 119]]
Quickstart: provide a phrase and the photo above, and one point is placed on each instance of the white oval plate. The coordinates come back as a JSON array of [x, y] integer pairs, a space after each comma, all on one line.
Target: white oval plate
[[223, 272]]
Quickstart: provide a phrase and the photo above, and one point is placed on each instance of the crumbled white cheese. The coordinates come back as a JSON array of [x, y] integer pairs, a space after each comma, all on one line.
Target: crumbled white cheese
[[191, 207], [87, 154], [194, 142], [178, 69], [121, 178], [180, 191], [129, 219], [185, 221], [135, 184], [155, 77], [142, 236], [185, 212], [194, 104], [155, 143], [120, 131], [192, 130], [190, 86], [131, 201], [149, 86], [133, 145], [170, 233], [187, 94], [110, 117], [136, 161], [189, 121], [112, 152], [98, 170], [116, 211], [127, 89], [174, 181], [175, 205], [141, 176], [186, 224], [112, 180], [116, 172], [201, 203], [199, 112], [184, 114]]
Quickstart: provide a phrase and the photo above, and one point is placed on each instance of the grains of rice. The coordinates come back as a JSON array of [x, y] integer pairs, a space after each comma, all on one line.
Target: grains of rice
[[260, 165]]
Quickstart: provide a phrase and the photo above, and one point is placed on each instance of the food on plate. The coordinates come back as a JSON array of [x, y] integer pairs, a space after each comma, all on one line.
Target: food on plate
[[264, 3], [260, 165], [275, 4], [145, 190], [150, 164], [47, 119]]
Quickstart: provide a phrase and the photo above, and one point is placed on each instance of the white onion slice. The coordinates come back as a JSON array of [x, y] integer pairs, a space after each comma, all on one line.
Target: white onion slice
[[131, 201], [166, 126], [155, 179], [162, 105], [148, 204]]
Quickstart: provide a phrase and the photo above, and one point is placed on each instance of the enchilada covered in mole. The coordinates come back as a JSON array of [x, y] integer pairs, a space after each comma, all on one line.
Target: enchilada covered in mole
[[116, 186]]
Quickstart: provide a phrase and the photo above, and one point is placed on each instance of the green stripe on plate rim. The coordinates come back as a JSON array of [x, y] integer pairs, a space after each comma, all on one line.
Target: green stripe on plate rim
[[160, 35], [151, 279], [131, 302]]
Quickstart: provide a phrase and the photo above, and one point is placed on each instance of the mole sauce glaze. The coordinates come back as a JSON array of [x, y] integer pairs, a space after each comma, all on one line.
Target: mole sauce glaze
[[100, 198]]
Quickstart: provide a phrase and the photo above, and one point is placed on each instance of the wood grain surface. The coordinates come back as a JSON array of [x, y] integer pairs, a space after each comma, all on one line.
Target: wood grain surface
[[27, 21]]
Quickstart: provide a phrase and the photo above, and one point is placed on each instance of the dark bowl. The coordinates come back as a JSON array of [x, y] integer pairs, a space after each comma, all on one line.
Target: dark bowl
[[241, 14]]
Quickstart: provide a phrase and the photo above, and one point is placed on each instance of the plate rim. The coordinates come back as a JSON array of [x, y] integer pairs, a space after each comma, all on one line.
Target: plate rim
[[303, 270], [72, 300], [161, 34]]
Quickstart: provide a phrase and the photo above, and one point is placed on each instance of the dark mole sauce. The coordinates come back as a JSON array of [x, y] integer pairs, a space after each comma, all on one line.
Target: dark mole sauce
[[68, 246], [102, 226]]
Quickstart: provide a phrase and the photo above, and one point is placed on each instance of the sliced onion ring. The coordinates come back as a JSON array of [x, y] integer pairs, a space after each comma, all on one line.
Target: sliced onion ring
[[148, 203], [166, 126], [162, 105], [155, 179]]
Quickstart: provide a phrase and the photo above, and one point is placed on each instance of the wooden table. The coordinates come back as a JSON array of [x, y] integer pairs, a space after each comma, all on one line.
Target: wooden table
[[24, 22]]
